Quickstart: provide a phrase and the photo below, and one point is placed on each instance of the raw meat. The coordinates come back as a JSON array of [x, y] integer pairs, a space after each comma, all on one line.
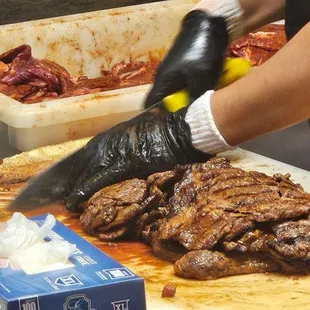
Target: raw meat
[[29, 80], [260, 45]]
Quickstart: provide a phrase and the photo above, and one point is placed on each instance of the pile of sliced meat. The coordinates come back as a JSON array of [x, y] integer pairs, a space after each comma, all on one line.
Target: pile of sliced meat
[[211, 220], [30, 80]]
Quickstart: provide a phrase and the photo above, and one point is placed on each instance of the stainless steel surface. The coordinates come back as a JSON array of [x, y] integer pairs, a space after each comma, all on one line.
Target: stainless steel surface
[[291, 146]]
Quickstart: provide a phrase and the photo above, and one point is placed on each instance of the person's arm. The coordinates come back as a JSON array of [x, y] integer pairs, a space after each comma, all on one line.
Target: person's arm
[[244, 16], [205, 31], [274, 96]]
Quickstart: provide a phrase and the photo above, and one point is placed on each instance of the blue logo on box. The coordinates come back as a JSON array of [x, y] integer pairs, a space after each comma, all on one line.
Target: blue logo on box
[[78, 302], [118, 273], [68, 280]]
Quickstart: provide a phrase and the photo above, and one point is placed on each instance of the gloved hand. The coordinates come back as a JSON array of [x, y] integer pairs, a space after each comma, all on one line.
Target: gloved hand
[[195, 60], [154, 141]]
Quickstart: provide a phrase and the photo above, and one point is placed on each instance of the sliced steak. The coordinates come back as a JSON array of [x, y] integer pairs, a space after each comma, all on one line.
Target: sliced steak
[[195, 213], [128, 208], [208, 265], [287, 243], [292, 241], [252, 241], [114, 207], [201, 227], [215, 201]]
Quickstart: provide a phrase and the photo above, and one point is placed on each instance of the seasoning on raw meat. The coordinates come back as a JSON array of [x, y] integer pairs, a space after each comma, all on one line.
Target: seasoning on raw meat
[[30, 80], [258, 46]]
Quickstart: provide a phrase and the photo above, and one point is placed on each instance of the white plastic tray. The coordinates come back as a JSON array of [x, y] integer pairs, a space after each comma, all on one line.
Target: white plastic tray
[[83, 44]]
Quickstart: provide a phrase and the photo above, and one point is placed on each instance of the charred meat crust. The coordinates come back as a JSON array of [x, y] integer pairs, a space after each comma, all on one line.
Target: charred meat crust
[[210, 219]]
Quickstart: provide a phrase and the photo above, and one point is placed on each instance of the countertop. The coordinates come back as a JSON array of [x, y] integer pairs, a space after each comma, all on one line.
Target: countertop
[[254, 291]]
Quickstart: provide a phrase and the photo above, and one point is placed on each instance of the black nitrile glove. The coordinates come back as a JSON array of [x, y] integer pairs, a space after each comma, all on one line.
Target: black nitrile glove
[[154, 141], [195, 60]]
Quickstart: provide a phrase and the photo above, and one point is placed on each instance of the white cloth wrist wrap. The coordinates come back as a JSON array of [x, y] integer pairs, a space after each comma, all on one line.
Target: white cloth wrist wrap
[[230, 10], [205, 134]]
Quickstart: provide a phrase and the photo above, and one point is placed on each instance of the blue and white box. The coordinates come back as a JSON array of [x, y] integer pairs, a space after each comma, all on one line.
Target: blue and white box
[[91, 281]]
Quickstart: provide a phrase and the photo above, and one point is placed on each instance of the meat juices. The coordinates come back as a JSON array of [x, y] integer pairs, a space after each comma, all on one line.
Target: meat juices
[[210, 219]]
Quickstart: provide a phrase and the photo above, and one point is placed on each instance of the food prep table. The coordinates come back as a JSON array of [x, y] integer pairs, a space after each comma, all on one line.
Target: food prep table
[[254, 291]]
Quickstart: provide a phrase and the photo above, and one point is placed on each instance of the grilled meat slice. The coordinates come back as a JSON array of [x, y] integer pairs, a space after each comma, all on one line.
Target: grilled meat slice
[[191, 215], [291, 242], [287, 243], [113, 207], [130, 208], [252, 241], [201, 227], [215, 201], [208, 265]]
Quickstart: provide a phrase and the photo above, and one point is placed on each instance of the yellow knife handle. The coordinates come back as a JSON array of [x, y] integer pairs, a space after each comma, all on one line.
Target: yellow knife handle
[[234, 69], [176, 101]]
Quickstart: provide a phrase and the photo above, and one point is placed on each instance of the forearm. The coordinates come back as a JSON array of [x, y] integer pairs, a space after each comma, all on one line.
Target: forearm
[[245, 15], [272, 97]]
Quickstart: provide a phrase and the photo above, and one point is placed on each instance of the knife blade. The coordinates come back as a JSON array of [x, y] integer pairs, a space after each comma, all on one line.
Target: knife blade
[[54, 184]]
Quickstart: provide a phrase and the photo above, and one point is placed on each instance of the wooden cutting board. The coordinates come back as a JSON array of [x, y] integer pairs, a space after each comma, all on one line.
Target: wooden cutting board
[[257, 291]]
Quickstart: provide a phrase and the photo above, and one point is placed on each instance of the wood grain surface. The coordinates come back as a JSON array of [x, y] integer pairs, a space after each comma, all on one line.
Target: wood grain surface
[[257, 291]]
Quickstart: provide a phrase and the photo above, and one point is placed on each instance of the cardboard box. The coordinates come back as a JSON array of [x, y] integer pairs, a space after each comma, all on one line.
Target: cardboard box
[[92, 280]]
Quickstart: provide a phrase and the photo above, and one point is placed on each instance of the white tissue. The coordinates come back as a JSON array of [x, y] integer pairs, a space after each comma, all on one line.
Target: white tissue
[[22, 242]]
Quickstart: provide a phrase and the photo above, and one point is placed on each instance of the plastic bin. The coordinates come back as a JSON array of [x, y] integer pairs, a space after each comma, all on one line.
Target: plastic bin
[[83, 44]]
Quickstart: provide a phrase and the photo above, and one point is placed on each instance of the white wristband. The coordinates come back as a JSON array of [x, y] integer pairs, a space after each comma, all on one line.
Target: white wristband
[[228, 9], [205, 134]]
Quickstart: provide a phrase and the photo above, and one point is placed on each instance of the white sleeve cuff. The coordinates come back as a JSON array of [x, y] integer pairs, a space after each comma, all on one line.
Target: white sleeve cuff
[[228, 9], [205, 134]]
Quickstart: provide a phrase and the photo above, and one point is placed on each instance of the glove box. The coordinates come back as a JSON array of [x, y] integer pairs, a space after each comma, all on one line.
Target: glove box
[[84, 44]]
